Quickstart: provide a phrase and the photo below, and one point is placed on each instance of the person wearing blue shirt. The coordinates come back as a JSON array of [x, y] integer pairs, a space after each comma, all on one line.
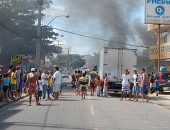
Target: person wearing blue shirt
[[157, 86], [5, 83]]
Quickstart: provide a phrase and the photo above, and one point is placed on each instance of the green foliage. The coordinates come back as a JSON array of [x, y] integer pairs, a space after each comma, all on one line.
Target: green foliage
[[74, 60], [21, 17]]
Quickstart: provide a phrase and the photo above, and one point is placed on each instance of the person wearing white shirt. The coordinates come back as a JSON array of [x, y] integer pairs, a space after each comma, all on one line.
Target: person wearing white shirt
[[125, 84], [44, 78], [135, 85], [56, 83]]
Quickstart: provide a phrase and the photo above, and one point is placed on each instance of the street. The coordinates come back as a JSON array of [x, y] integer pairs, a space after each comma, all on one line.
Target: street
[[94, 113]]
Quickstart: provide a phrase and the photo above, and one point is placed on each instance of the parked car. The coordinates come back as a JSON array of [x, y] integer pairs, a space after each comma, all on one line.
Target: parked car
[[164, 78], [65, 75]]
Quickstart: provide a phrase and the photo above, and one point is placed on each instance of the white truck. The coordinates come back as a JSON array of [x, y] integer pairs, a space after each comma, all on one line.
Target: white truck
[[113, 62]]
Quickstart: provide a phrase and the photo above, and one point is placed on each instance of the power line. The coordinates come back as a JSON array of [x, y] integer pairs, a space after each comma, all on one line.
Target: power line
[[11, 30], [100, 38]]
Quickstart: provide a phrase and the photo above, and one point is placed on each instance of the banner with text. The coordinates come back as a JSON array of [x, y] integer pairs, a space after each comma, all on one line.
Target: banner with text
[[16, 59], [165, 51], [157, 11]]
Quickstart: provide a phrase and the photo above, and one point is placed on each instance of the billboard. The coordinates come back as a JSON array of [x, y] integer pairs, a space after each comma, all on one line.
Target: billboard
[[164, 51], [157, 11], [16, 59]]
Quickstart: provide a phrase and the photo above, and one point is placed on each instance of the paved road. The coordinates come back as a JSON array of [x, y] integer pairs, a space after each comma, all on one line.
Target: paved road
[[71, 113]]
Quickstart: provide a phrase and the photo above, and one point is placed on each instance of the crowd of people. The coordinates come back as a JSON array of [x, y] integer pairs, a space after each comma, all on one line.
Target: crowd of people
[[42, 85], [82, 81], [11, 83], [136, 85], [141, 84], [48, 84]]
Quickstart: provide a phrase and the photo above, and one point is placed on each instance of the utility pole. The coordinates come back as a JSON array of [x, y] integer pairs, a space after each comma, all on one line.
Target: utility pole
[[68, 58], [38, 44]]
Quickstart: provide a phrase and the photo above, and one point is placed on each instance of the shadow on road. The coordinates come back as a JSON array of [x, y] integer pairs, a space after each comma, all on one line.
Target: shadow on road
[[4, 126]]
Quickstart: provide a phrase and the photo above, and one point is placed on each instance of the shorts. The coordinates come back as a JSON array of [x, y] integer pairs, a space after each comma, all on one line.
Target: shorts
[[135, 89], [49, 90], [56, 87], [126, 88], [61, 86], [83, 89], [98, 90], [143, 89], [77, 85], [5, 89], [13, 87], [151, 85], [92, 85], [40, 93], [32, 89]]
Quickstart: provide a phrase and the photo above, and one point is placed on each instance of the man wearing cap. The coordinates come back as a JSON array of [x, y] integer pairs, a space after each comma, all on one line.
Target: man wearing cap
[[44, 78], [136, 85], [56, 83], [33, 85]]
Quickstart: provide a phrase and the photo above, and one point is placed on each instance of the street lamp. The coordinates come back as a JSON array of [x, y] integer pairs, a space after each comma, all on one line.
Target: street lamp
[[67, 16], [68, 58]]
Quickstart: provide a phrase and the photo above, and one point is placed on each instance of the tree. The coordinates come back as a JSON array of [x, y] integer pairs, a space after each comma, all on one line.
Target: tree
[[18, 28], [75, 61]]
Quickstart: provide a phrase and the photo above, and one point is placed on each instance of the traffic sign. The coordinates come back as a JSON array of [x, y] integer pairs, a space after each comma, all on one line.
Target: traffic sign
[[157, 12], [16, 59]]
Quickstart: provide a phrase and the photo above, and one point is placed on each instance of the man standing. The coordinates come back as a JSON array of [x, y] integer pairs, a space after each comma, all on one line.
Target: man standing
[[93, 76], [9, 75], [44, 78], [33, 85], [73, 82], [18, 75], [56, 83], [83, 84], [136, 85], [14, 82], [125, 84]]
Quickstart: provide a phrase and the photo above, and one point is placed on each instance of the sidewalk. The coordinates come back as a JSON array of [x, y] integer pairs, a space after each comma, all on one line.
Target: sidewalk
[[162, 99], [3, 104]]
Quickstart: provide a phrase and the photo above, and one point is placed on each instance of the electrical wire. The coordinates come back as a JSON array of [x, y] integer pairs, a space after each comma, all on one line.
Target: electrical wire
[[11, 30], [99, 38]]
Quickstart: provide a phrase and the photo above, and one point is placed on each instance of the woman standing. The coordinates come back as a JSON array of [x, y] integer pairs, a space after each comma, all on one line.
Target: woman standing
[[144, 85], [106, 84]]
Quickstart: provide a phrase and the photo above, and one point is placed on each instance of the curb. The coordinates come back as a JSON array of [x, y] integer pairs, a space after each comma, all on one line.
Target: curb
[[12, 101]]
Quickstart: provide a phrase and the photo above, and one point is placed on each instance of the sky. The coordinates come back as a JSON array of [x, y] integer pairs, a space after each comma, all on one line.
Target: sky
[[118, 21]]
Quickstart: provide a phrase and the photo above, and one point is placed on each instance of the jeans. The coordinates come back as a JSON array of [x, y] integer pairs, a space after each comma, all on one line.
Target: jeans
[[44, 91], [105, 91]]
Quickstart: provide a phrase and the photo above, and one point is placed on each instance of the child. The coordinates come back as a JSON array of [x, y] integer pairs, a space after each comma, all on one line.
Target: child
[[98, 83], [1, 94], [5, 83], [157, 86], [40, 89], [50, 85], [102, 86]]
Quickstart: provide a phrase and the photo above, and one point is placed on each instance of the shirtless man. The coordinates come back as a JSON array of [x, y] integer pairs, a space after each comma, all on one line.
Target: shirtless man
[[93, 76], [33, 85], [78, 75], [98, 83]]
